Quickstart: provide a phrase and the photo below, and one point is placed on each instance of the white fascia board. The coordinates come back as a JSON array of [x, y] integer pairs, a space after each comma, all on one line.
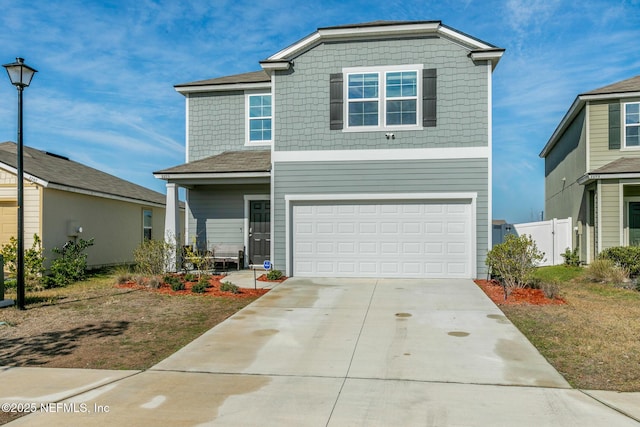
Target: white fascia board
[[380, 196], [368, 31], [223, 88], [603, 176], [453, 34], [104, 195], [25, 175], [490, 55], [382, 154], [275, 65], [179, 176], [610, 96]]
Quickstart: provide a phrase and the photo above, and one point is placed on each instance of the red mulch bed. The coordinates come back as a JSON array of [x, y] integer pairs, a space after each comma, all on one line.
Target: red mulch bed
[[522, 296], [213, 290], [263, 278]]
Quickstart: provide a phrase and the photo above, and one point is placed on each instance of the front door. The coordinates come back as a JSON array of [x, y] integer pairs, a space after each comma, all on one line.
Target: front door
[[259, 231], [634, 224]]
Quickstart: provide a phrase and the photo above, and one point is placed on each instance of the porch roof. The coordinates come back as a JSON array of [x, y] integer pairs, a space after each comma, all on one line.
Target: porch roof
[[230, 164], [624, 167]]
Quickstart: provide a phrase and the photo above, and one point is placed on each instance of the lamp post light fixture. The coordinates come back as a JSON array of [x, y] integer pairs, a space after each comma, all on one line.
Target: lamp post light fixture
[[20, 75]]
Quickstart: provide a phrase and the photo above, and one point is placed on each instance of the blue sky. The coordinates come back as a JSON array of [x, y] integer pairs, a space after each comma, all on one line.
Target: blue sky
[[104, 93]]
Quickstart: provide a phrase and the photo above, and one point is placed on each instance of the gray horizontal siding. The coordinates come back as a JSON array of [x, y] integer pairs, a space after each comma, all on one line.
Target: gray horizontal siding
[[417, 176], [216, 214], [302, 96]]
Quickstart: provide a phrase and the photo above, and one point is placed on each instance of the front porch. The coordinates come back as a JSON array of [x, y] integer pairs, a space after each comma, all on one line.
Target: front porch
[[228, 204]]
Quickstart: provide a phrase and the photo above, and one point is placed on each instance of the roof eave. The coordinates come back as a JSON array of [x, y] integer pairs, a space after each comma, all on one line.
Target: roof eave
[[493, 55], [591, 177], [210, 175], [385, 30], [571, 114], [222, 87]]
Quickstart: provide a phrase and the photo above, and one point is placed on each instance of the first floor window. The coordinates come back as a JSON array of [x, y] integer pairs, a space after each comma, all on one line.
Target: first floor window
[[147, 223], [259, 118], [632, 124]]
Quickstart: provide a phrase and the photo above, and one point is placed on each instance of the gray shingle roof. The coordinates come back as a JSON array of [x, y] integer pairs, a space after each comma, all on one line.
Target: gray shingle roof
[[621, 165], [252, 77], [227, 162], [628, 85], [59, 170]]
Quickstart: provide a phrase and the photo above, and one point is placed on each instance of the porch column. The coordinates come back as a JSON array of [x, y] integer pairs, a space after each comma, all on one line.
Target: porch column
[[172, 225]]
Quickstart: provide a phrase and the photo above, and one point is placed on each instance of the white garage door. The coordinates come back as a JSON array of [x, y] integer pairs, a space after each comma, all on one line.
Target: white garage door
[[408, 239]]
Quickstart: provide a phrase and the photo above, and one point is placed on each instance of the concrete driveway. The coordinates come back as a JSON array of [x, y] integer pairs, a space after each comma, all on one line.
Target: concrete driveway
[[341, 352]]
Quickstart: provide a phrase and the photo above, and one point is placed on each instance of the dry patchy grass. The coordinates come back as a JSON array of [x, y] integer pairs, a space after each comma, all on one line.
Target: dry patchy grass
[[594, 340], [93, 324]]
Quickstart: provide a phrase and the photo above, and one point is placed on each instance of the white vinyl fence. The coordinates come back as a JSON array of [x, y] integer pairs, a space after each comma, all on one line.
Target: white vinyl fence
[[552, 237]]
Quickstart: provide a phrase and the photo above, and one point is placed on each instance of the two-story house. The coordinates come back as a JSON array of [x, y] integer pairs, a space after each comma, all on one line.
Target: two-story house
[[359, 151], [592, 168]]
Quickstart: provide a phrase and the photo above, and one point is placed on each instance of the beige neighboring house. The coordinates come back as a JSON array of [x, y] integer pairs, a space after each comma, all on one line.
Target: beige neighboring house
[[592, 168], [66, 200]]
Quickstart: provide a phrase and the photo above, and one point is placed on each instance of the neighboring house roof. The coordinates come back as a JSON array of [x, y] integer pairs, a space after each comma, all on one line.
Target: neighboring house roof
[[229, 162], [622, 89], [624, 167], [282, 60], [58, 172]]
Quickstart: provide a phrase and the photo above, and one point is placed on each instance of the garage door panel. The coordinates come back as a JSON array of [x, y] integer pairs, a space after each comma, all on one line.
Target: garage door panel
[[414, 239]]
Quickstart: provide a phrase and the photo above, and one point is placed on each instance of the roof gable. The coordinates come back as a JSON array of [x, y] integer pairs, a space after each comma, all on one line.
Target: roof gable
[[624, 86], [56, 171]]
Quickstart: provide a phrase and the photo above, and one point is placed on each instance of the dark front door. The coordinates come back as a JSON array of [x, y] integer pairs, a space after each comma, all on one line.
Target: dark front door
[[634, 224], [259, 231]]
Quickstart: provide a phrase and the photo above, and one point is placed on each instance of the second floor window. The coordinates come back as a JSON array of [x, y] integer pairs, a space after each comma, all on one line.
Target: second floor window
[[260, 116], [386, 98], [632, 124]]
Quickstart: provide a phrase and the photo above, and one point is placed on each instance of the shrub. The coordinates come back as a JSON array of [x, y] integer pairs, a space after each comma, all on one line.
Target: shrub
[[274, 274], [514, 261], [605, 270], [551, 289], [200, 287], [189, 277], [229, 287], [33, 260], [571, 257], [71, 266], [152, 256], [627, 257], [154, 282]]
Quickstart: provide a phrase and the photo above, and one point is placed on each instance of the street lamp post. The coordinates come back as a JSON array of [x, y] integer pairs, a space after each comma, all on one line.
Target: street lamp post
[[20, 75]]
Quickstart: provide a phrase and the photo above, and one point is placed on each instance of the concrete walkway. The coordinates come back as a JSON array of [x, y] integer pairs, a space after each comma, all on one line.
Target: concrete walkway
[[331, 352]]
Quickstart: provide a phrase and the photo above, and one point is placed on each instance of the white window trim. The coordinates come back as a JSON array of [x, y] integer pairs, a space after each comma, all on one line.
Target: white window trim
[[247, 121], [382, 110], [623, 119]]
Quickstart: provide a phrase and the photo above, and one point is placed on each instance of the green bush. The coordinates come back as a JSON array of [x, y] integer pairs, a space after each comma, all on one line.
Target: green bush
[[571, 257], [199, 287], [33, 260], [605, 270], [627, 257], [71, 266], [514, 261], [189, 277], [152, 257], [229, 287], [274, 274]]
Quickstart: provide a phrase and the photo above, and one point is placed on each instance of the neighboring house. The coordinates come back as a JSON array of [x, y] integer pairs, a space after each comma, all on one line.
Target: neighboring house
[[65, 200], [359, 151], [592, 168]]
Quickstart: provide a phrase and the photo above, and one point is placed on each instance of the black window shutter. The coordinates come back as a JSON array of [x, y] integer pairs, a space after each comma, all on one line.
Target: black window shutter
[[614, 126], [429, 97], [336, 102]]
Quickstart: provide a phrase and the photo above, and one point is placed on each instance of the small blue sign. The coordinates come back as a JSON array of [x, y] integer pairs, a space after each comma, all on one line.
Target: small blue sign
[[267, 265]]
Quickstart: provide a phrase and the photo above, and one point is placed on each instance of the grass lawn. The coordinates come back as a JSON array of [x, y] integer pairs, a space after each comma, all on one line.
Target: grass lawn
[[93, 324], [593, 340]]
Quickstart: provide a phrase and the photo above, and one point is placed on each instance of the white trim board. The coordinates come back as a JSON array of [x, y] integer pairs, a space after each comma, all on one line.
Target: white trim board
[[378, 197], [382, 154]]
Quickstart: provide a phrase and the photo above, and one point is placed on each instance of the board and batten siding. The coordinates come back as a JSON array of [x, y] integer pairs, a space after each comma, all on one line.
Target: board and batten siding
[[216, 214], [302, 97], [610, 205], [371, 177]]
